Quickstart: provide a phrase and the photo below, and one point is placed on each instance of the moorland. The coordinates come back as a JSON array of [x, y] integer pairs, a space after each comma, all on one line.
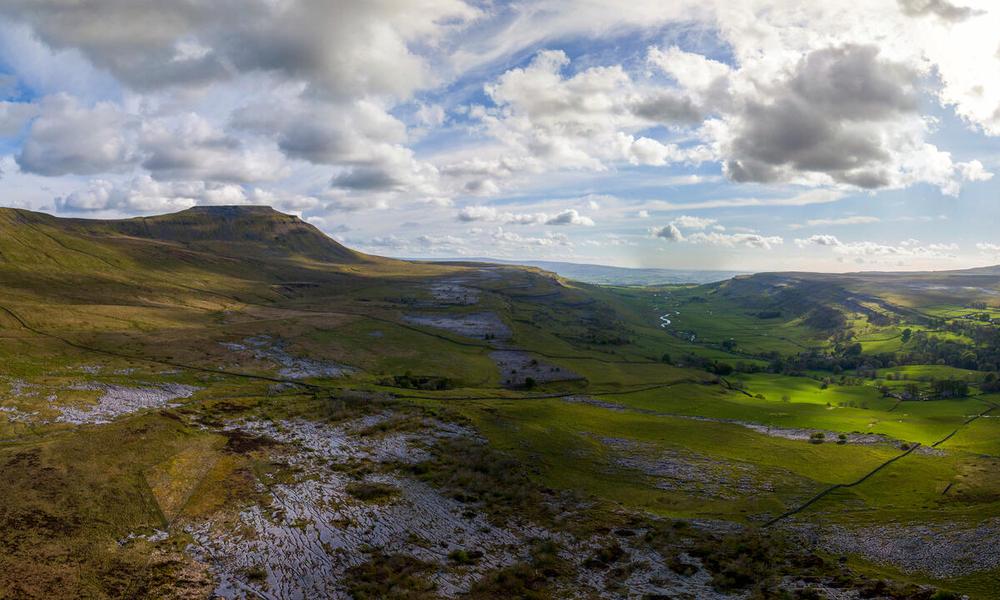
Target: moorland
[[225, 401]]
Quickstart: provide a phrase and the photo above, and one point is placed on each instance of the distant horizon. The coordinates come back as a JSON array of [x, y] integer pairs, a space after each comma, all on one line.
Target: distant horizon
[[530, 260], [680, 269]]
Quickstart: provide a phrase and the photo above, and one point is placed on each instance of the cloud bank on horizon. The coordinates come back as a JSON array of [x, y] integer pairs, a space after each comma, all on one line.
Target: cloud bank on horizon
[[738, 134]]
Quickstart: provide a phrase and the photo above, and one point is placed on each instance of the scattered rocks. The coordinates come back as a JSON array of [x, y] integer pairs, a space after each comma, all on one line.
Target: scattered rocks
[[517, 367], [158, 535], [315, 529], [266, 349], [454, 293], [15, 415], [116, 401], [941, 550], [304, 540], [482, 325], [687, 471]]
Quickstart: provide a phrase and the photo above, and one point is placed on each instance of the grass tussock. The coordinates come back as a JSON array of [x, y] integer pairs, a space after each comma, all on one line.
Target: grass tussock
[[391, 576]]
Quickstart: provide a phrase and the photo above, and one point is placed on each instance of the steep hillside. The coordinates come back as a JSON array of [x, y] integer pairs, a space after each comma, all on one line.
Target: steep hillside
[[242, 251], [241, 231]]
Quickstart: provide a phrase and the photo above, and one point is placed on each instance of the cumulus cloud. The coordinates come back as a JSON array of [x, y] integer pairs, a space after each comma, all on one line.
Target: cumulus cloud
[[68, 137], [320, 132], [906, 248], [341, 48], [988, 248], [668, 107], [939, 8], [584, 121], [501, 236], [731, 240], [672, 230], [973, 171], [668, 232], [692, 71], [14, 116], [192, 148], [819, 240], [843, 115], [146, 195], [570, 216], [688, 222]]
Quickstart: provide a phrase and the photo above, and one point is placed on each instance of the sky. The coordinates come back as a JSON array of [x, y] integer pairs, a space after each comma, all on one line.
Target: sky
[[712, 134]]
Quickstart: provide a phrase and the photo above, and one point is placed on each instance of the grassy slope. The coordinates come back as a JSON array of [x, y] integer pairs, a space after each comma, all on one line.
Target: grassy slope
[[163, 292]]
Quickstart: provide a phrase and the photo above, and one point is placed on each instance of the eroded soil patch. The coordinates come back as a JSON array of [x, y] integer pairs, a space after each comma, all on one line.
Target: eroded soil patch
[[482, 325]]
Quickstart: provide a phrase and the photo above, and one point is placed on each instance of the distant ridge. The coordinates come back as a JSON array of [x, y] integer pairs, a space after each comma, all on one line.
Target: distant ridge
[[607, 275]]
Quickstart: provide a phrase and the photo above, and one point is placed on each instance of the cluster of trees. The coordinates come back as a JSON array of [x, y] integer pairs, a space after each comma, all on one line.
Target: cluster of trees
[[919, 348], [706, 364], [418, 382]]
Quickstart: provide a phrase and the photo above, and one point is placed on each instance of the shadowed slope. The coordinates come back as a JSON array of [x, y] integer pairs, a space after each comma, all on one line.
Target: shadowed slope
[[251, 231]]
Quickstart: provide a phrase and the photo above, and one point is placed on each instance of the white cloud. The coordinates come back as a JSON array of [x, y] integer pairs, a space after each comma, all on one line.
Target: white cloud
[[688, 222], [906, 248], [145, 195], [852, 220], [570, 216], [692, 71], [190, 147], [585, 121], [68, 137], [430, 115], [668, 232], [751, 240], [820, 196], [478, 213], [973, 170], [500, 236], [14, 116], [819, 240], [342, 48]]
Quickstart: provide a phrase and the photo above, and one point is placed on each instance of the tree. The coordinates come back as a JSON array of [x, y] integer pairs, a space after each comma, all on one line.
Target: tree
[[721, 368], [950, 388], [907, 333]]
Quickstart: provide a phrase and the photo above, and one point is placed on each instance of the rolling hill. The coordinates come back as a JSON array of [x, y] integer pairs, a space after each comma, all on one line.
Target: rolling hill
[[225, 401]]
